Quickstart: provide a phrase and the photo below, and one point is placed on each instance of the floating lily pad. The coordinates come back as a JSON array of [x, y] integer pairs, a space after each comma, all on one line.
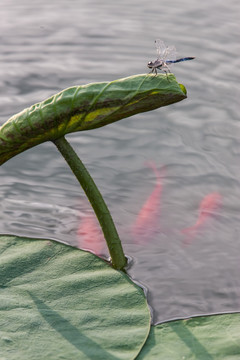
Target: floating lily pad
[[215, 337], [58, 302]]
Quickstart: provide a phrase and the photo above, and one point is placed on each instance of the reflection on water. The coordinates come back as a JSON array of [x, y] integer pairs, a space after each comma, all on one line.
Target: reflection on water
[[49, 47]]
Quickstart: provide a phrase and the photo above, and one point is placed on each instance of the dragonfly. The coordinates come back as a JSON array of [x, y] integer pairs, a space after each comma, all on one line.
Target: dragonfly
[[167, 55]]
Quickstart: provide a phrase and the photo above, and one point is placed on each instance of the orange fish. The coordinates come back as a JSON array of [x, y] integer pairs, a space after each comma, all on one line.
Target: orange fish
[[147, 222], [90, 235], [207, 208]]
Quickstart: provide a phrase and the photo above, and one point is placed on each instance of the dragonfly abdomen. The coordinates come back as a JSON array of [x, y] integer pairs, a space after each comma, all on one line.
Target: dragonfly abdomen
[[179, 60]]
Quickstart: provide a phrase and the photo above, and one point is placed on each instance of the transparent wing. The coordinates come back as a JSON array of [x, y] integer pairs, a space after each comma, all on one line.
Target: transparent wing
[[161, 48], [165, 52], [170, 53]]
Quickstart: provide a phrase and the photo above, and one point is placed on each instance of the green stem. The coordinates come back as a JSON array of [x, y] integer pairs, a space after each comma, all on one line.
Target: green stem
[[97, 202]]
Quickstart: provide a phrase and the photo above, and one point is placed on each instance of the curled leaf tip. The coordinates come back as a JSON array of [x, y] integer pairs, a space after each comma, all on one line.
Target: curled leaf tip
[[86, 107]]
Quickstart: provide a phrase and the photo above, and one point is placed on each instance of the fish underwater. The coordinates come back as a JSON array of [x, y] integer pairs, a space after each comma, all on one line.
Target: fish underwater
[[90, 236], [147, 223], [207, 208]]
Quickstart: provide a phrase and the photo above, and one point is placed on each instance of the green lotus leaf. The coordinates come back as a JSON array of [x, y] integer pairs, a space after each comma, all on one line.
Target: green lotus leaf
[[58, 302], [215, 337], [86, 107]]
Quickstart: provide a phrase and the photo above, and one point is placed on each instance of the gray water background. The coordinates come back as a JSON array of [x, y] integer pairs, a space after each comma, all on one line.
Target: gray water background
[[48, 46]]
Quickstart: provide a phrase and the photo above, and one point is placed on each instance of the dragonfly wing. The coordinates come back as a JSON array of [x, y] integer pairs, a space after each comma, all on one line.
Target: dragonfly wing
[[161, 48], [170, 53]]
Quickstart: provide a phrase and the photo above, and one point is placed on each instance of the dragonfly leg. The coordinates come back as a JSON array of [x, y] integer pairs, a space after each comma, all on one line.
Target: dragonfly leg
[[166, 73], [154, 70]]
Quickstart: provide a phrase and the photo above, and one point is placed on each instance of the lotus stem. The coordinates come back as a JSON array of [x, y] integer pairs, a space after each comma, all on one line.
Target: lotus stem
[[95, 198]]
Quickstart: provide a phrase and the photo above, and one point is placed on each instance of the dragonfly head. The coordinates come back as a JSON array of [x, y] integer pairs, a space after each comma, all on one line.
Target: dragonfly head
[[150, 65]]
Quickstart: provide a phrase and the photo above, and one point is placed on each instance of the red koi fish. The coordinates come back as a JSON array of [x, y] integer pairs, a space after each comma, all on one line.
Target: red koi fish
[[90, 235], [209, 204], [147, 222]]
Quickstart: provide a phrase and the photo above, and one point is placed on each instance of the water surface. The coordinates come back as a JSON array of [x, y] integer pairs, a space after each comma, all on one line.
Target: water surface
[[46, 47]]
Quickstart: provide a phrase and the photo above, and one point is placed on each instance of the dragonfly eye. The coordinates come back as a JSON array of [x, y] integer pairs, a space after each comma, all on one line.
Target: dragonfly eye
[[150, 64]]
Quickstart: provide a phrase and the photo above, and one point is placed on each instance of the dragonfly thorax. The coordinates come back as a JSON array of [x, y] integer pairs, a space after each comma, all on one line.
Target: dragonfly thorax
[[155, 64]]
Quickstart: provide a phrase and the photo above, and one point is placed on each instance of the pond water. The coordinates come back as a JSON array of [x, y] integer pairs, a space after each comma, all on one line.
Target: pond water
[[195, 144]]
